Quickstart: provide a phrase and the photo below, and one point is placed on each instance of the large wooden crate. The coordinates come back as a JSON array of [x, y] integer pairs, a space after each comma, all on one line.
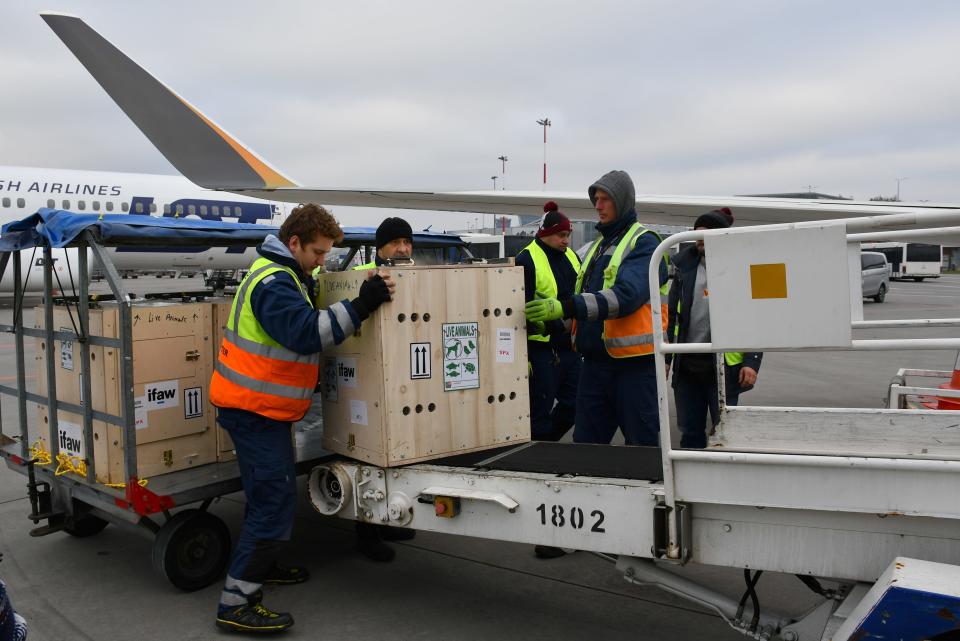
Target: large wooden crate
[[440, 370], [172, 364]]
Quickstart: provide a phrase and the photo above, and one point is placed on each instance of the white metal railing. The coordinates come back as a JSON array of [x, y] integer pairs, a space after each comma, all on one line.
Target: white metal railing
[[935, 224]]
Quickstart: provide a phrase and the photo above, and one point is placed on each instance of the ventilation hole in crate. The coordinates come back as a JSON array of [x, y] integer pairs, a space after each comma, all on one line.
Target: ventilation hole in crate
[[426, 317], [93, 356], [508, 311], [414, 317], [401, 317], [513, 395], [490, 399], [406, 410], [486, 313], [502, 398], [431, 407], [496, 312], [419, 408], [43, 346]]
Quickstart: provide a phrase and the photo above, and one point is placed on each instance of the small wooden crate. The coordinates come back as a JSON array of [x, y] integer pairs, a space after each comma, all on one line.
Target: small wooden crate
[[440, 370], [172, 365]]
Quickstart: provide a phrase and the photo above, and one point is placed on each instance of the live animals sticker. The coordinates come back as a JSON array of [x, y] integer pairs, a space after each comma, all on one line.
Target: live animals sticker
[[461, 356]]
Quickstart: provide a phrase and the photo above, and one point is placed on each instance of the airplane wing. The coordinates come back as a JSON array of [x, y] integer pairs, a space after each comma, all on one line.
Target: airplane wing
[[209, 156]]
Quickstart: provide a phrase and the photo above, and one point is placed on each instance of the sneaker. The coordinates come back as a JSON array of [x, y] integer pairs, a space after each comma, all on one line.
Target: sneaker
[[254, 617], [548, 552], [287, 574]]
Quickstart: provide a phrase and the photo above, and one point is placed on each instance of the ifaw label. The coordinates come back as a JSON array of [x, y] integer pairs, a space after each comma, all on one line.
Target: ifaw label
[[162, 394], [70, 438]]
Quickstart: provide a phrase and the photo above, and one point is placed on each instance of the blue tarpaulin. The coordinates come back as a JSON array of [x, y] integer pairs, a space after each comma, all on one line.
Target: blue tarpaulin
[[59, 228]]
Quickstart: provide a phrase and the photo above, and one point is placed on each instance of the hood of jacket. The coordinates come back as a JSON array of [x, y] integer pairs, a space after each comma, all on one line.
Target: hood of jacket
[[619, 187]]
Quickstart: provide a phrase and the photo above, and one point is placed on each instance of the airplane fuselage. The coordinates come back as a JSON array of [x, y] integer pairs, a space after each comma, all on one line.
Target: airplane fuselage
[[24, 190]]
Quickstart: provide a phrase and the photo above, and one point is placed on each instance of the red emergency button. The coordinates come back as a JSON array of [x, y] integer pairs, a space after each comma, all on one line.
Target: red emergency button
[[441, 508]]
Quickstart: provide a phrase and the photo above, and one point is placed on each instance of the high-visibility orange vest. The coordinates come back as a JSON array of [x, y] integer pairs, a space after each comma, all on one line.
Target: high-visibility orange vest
[[256, 373], [631, 335]]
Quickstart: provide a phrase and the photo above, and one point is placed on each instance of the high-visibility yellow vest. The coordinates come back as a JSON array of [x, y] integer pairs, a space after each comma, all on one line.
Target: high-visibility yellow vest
[[546, 282], [254, 372], [371, 265], [630, 335]]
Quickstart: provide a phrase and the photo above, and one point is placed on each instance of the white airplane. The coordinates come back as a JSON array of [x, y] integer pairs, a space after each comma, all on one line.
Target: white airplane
[[24, 190], [225, 173]]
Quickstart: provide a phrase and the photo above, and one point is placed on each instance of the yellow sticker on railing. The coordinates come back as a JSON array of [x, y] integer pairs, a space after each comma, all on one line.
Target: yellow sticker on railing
[[768, 281]]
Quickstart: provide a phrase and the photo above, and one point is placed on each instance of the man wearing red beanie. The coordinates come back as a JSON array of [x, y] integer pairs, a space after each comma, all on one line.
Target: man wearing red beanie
[[550, 271]]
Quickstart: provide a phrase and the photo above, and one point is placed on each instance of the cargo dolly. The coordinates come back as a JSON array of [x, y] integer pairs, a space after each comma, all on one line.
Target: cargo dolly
[[192, 545]]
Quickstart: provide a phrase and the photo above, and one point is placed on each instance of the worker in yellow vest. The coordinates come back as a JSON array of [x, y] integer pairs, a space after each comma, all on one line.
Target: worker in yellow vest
[[613, 324], [264, 379], [550, 271], [694, 375], [394, 239]]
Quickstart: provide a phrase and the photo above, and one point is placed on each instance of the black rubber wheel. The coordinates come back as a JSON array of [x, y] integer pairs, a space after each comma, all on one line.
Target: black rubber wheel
[[84, 526], [881, 293], [917, 279], [192, 549]]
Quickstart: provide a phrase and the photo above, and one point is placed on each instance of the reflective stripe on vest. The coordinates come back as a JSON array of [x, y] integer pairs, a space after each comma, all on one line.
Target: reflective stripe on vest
[[630, 335], [372, 265], [253, 371], [546, 282], [730, 358]]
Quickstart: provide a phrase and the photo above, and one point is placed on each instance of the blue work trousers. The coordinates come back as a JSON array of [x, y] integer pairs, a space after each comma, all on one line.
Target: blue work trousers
[[554, 377], [617, 394], [696, 398], [266, 459]]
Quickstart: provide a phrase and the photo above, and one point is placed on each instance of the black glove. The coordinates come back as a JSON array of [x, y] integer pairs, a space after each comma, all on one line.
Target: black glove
[[373, 293]]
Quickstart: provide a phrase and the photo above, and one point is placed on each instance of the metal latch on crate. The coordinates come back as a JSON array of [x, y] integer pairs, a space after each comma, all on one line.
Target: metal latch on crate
[[192, 355], [477, 495]]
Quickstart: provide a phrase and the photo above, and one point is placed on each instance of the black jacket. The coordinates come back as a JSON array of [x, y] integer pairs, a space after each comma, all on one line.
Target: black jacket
[[681, 291]]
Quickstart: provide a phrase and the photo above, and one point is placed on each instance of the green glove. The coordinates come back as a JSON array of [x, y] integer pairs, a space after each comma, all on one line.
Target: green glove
[[543, 309], [537, 328]]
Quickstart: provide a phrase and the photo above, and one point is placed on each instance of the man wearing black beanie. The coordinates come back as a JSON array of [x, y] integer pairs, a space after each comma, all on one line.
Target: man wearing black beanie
[[394, 240], [694, 375]]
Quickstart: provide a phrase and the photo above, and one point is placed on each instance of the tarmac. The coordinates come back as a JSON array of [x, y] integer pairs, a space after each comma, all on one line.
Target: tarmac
[[438, 587]]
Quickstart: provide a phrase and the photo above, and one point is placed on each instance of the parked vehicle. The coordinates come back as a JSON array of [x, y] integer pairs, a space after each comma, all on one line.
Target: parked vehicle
[[915, 261], [874, 275]]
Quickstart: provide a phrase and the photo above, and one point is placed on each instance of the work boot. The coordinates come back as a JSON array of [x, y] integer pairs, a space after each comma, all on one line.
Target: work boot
[[253, 617], [371, 545], [287, 574], [388, 533], [548, 552]]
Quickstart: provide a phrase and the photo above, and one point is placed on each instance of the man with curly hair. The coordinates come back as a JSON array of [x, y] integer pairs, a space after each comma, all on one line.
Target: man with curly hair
[[264, 379]]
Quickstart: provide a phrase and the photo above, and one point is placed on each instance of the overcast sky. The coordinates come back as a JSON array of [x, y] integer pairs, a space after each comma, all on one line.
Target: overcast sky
[[691, 98]]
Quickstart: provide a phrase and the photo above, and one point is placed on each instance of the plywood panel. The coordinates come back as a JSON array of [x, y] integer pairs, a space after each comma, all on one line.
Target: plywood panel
[[413, 418]]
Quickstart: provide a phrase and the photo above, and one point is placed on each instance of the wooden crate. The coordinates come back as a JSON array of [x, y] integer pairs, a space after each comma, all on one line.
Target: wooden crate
[[440, 370], [172, 365]]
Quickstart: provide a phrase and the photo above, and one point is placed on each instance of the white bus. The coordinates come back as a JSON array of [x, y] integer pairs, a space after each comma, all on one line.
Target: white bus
[[910, 260]]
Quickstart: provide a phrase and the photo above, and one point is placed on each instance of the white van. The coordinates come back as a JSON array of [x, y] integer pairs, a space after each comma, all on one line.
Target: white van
[[874, 275]]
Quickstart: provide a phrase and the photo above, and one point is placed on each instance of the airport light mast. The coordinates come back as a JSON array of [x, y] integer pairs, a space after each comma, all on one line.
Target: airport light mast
[[544, 122], [898, 186], [494, 179], [503, 170]]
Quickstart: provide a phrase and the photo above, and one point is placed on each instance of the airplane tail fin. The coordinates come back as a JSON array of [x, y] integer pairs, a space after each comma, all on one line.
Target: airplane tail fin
[[199, 148]]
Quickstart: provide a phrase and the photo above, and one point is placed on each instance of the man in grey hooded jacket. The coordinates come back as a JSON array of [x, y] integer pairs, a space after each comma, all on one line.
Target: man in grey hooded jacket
[[610, 307]]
